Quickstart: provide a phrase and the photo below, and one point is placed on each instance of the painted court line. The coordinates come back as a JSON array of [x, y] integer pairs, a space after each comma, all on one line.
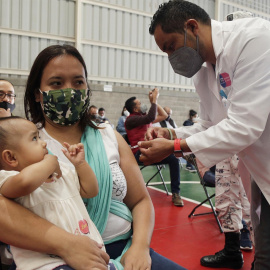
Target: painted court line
[[186, 199]]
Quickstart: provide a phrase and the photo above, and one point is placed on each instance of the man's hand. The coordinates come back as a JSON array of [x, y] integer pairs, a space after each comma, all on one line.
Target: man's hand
[[153, 95], [5, 113], [84, 253], [155, 150], [158, 132]]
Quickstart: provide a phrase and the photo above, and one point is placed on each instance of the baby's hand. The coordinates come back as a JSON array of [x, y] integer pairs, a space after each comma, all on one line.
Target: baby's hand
[[75, 153], [53, 159]]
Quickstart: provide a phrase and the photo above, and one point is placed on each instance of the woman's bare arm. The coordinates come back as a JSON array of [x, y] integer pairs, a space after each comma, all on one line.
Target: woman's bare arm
[[140, 204], [21, 228]]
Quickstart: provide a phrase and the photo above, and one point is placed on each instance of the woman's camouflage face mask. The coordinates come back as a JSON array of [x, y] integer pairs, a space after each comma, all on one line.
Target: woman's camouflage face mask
[[65, 106]]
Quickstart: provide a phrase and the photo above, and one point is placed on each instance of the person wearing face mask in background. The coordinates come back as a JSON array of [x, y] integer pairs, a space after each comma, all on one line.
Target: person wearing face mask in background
[[137, 124], [231, 63], [7, 98], [101, 116], [192, 118], [93, 112], [121, 122]]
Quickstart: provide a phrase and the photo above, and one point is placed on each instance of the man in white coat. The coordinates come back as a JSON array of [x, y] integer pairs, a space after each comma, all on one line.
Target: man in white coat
[[231, 63]]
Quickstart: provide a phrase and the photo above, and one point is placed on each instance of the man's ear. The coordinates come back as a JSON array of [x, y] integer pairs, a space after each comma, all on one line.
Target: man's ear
[[8, 157], [37, 96], [192, 24]]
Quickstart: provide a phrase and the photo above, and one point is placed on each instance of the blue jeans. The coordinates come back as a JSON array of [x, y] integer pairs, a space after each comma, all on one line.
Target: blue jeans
[[209, 179], [174, 166], [158, 262], [62, 267]]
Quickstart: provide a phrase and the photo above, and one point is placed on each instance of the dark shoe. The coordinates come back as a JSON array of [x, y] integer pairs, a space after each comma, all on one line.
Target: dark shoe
[[229, 257], [177, 200], [245, 242], [223, 260]]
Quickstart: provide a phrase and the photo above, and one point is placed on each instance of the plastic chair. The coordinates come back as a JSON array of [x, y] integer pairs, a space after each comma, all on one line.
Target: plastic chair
[[192, 159]]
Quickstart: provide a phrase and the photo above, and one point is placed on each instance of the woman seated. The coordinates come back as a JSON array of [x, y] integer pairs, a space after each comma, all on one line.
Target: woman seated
[[56, 99]]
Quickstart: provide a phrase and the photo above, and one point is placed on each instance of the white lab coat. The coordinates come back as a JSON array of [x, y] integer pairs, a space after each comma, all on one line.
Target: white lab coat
[[239, 124]]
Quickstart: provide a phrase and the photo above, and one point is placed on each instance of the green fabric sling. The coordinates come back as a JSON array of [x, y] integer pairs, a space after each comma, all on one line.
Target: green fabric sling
[[100, 206]]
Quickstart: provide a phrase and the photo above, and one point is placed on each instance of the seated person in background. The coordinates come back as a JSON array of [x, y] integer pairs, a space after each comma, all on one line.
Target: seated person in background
[[93, 112], [7, 98], [136, 125], [36, 180], [101, 116], [121, 122], [168, 122], [7, 105], [189, 122]]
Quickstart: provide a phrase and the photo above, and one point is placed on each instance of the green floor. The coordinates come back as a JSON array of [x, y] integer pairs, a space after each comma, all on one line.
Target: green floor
[[189, 189]]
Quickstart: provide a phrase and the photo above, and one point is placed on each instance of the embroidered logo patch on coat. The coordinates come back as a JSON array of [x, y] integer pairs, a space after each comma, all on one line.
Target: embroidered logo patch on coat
[[225, 79]]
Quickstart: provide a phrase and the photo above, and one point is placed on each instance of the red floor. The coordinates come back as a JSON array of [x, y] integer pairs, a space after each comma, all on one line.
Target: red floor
[[185, 240]]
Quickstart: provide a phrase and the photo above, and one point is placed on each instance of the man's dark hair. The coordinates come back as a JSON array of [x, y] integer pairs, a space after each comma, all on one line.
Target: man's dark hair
[[101, 109], [173, 14], [130, 104], [92, 106]]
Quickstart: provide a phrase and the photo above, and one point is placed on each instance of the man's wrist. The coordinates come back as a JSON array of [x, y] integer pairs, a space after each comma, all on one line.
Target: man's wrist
[[177, 148]]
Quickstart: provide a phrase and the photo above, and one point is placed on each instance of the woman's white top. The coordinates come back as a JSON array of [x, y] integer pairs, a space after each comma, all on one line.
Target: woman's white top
[[116, 225]]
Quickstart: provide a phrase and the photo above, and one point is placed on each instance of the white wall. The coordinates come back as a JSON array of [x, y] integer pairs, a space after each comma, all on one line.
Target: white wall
[[111, 35]]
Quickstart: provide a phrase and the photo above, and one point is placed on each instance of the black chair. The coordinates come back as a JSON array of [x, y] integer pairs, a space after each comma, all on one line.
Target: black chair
[[159, 169], [192, 159]]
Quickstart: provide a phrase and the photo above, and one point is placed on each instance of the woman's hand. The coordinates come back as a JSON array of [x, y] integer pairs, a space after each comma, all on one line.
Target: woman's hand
[[136, 258], [84, 253]]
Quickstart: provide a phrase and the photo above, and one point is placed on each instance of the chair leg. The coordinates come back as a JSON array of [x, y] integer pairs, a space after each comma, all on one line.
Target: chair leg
[[159, 167], [197, 206], [212, 207]]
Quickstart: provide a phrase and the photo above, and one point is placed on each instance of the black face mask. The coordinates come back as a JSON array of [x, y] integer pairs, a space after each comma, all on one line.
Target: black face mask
[[5, 105], [168, 118]]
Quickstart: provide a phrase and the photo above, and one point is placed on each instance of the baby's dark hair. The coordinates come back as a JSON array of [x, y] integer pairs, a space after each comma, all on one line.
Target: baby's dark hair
[[5, 134]]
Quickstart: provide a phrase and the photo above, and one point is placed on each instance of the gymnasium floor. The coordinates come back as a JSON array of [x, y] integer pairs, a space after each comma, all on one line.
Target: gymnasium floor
[[182, 239]]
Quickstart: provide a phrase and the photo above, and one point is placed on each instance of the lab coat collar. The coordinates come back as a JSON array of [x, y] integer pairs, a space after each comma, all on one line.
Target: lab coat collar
[[217, 38]]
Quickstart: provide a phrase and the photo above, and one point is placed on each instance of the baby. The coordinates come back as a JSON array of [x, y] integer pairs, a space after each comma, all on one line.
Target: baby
[[50, 189]]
